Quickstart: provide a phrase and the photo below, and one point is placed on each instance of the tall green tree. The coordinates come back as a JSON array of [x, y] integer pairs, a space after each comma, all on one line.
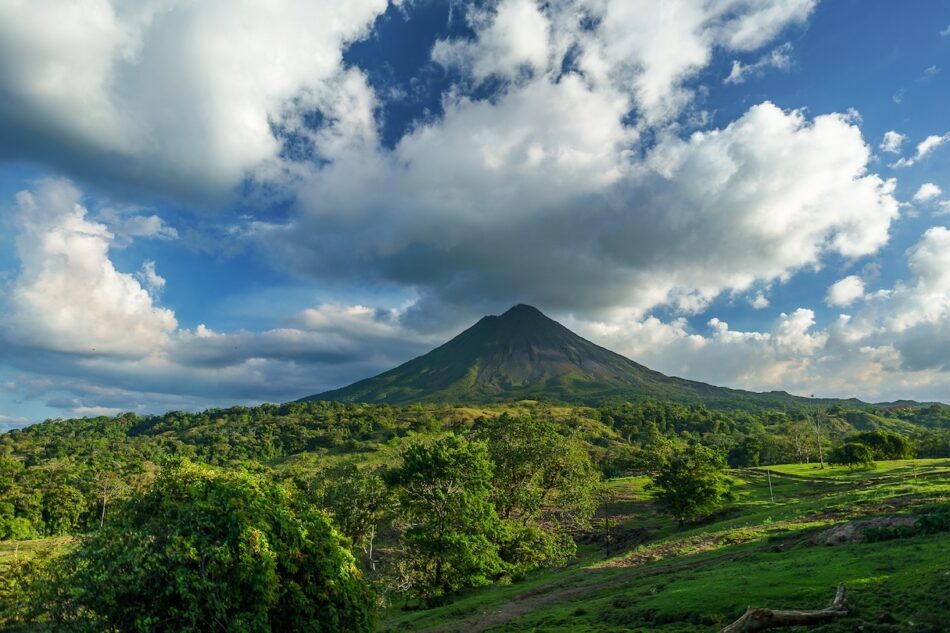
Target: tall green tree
[[540, 476], [691, 483], [449, 525], [745, 453], [63, 505], [359, 500], [543, 485]]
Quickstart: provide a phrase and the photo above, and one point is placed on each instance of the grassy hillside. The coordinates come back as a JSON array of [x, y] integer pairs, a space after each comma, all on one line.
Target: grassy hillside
[[653, 577]]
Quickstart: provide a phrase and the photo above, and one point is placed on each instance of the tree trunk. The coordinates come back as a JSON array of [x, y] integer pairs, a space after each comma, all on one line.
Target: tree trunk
[[760, 619], [372, 563], [821, 458]]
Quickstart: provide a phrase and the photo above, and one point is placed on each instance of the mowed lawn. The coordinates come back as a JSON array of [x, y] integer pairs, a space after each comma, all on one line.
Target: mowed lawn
[[756, 552]]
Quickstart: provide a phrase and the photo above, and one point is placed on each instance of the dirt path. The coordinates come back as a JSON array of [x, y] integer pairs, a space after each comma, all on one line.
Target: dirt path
[[530, 600]]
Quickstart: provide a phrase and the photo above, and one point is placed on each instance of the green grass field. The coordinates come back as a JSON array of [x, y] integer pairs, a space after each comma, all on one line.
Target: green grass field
[[10, 550], [756, 552]]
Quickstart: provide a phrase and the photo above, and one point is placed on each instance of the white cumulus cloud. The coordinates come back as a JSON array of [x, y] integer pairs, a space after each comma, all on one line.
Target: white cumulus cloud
[[454, 208], [759, 302], [927, 191], [924, 148], [176, 95], [892, 141], [69, 296], [845, 291], [511, 37]]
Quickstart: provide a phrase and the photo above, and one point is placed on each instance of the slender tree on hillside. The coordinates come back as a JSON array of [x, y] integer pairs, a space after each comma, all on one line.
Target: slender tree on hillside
[[817, 417]]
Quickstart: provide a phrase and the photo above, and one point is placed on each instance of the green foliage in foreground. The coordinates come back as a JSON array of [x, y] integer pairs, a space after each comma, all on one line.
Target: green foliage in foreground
[[533, 484], [207, 550], [359, 501]]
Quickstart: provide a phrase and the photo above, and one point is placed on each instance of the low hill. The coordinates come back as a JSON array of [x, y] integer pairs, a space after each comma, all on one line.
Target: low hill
[[523, 354]]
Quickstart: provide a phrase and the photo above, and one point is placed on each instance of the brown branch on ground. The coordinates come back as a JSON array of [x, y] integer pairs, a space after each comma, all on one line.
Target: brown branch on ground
[[760, 619]]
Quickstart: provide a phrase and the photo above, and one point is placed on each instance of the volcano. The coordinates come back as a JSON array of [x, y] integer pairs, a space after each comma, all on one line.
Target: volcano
[[524, 355]]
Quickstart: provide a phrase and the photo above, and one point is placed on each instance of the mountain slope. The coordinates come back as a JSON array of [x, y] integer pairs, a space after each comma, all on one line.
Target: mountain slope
[[523, 354]]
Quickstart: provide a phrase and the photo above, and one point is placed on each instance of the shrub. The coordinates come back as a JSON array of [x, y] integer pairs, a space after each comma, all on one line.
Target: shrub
[[691, 484], [854, 455], [210, 550]]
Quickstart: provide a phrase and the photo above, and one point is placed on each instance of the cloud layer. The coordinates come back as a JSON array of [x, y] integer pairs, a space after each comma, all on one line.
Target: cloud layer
[[69, 297], [572, 166], [179, 96], [893, 345]]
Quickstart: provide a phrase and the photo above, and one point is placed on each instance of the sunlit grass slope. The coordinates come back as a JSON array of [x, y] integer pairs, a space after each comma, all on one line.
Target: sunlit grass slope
[[755, 552]]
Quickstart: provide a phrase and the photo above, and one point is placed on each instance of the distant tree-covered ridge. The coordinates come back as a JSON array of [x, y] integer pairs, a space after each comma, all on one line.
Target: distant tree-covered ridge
[[64, 476]]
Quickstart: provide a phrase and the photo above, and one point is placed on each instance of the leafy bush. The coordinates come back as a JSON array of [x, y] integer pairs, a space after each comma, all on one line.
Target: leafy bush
[[927, 523], [210, 550], [854, 455], [691, 484], [26, 586], [934, 522]]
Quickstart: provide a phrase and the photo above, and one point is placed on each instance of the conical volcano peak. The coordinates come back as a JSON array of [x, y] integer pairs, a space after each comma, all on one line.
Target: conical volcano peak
[[520, 313], [520, 324], [523, 310], [519, 354], [523, 354]]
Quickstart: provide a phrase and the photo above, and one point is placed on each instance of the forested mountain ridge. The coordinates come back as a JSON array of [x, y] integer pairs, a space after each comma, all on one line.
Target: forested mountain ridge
[[523, 354]]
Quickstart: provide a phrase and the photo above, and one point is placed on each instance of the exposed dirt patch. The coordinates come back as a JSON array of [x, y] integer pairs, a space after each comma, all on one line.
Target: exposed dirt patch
[[619, 538], [853, 531]]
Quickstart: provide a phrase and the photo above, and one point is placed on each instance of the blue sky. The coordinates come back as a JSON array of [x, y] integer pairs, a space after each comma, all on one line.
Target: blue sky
[[210, 203]]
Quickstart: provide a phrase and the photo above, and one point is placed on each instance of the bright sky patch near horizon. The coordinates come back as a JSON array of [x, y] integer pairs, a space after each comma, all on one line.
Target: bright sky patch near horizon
[[212, 203]]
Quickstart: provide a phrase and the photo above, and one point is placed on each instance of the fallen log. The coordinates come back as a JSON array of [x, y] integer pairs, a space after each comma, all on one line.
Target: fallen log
[[760, 619]]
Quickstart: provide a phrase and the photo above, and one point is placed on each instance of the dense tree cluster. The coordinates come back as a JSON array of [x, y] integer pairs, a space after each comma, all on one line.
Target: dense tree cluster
[[205, 549], [64, 476], [854, 455]]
